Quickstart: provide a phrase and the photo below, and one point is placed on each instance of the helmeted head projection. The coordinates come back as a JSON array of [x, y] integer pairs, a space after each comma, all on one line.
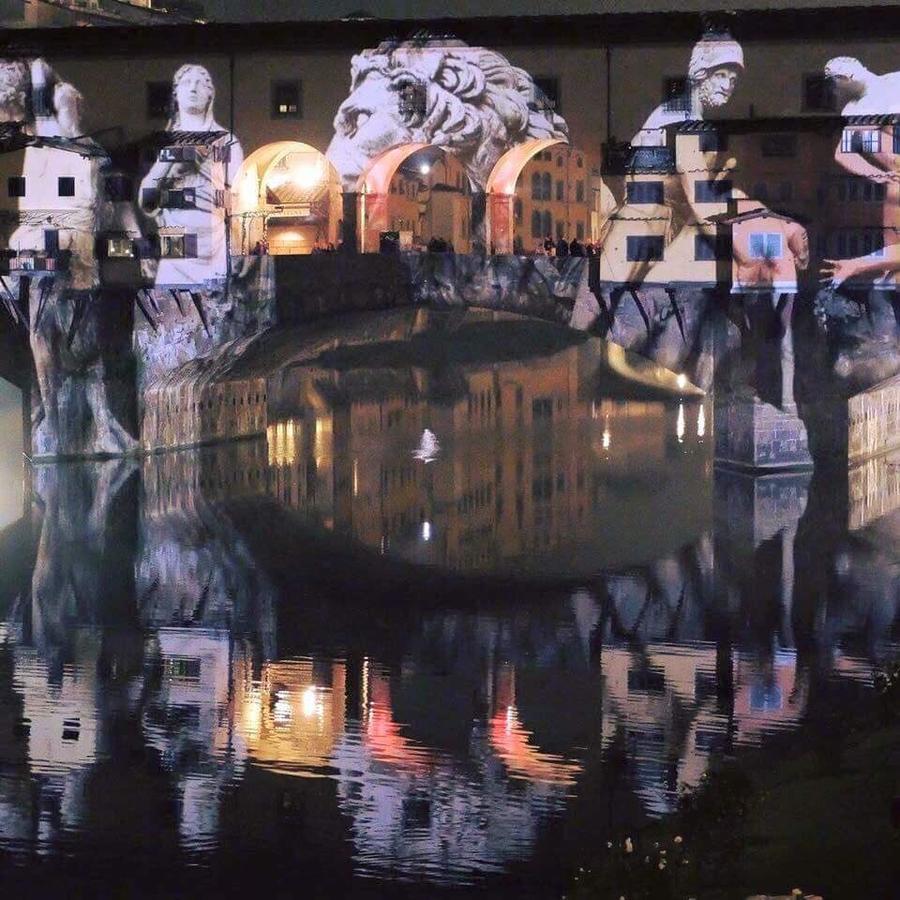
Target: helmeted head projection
[[716, 62], [468, 100]]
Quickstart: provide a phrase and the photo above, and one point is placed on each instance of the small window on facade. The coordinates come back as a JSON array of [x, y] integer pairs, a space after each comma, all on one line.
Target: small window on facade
[[546, 182], [118, 188], [644, 248], [713, 191], [713, 142], [546, 92], [65, 186], [172, 246], [818, 94], [779, 145], [676, 94], [560, 191], [559, 162], [712, 247], [286, 100], [579, 191], [861, 140], [579, 231], [537, 192], [765, 245], [560, 230], [644, 192], [579, 162], [412, 101], [15, 186], [159, 99], [546, 222], [536, 231], [119, 247]]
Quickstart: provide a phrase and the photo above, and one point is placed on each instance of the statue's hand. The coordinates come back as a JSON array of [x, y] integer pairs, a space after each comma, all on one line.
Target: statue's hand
[[836, 271]]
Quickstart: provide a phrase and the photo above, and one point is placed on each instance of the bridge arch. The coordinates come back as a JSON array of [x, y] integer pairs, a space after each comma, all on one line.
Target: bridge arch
[[289, 194], [451, 192], [501, 190]]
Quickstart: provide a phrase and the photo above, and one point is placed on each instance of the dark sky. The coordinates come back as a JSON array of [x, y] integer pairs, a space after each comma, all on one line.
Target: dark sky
[[423, 9]]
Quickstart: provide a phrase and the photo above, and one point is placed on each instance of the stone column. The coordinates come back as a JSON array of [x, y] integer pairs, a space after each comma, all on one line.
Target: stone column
[[756, 421], [350, 222], [375, 221], [479, 220], [501, 223]]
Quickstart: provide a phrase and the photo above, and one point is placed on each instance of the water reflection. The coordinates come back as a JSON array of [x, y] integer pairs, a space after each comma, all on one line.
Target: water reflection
[[201, 634]]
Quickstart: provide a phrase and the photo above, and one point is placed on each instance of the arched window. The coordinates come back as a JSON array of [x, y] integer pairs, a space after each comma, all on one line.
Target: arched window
[[547, 222], [536, 224], [536, 186], [547, 185]]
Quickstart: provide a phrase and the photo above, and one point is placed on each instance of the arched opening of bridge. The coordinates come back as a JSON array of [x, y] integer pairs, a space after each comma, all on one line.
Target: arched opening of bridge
[[287, 195], [418, 193], [502, 190]]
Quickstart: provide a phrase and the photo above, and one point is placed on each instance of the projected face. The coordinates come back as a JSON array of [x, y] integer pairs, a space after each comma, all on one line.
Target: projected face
[[368, 123], [718, 86], [469, 100], [194, 91], [14, 82]]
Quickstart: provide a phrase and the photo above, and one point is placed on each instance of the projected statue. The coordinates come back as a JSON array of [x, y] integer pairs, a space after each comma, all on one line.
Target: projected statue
[[186, 189], [865, 151], [671, 215], [468, 100], [53, 261], [716, 62]]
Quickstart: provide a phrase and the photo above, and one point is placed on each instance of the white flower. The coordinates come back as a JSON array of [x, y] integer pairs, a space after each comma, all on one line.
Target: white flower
[[629, 847]]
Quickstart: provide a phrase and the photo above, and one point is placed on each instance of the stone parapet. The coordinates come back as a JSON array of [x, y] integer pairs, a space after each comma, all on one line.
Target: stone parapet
[[752, 434]]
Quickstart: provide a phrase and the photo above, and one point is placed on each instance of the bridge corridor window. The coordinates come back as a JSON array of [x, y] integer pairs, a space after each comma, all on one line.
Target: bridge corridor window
[[644, 248], [286, 100], [119, 247], [861, 140], [766, 245], [65, 186], [15, 186], [645, 192], [712, 191]]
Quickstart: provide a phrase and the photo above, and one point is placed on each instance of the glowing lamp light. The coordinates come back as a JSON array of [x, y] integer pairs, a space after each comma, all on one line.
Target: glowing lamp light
[[701, 423], [426, 531], [679, 424], [681, 381], [424, 168], [607, 439]]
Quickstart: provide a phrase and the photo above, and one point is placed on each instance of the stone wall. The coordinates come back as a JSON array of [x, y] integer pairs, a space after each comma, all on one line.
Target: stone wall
[[874, 421], [756, 435]]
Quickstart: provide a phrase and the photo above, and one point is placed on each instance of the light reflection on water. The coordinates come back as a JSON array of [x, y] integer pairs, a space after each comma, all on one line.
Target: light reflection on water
[[238, 651]]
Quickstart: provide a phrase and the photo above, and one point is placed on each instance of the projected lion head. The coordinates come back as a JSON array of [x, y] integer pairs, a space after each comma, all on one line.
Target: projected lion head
[[468, 100]]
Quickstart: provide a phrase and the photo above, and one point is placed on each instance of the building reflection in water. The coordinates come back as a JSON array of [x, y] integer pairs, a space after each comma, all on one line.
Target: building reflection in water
[[226, 687]]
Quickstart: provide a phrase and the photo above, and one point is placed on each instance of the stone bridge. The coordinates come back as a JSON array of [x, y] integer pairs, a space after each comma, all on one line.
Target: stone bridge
[[796, 378]]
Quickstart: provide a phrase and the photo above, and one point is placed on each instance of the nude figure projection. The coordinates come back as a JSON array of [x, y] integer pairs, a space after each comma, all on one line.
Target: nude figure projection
[[866, 150], [468, 100], [186, 190]]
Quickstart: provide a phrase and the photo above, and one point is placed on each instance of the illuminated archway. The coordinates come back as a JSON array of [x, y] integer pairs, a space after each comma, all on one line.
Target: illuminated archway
[[501, 190], [288, 195], [441, 205]]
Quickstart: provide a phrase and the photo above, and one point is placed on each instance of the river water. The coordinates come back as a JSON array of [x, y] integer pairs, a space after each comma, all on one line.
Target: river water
[[453, 622]]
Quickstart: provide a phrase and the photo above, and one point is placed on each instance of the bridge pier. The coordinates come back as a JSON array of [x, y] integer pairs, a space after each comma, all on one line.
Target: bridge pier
[[757, 423]]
